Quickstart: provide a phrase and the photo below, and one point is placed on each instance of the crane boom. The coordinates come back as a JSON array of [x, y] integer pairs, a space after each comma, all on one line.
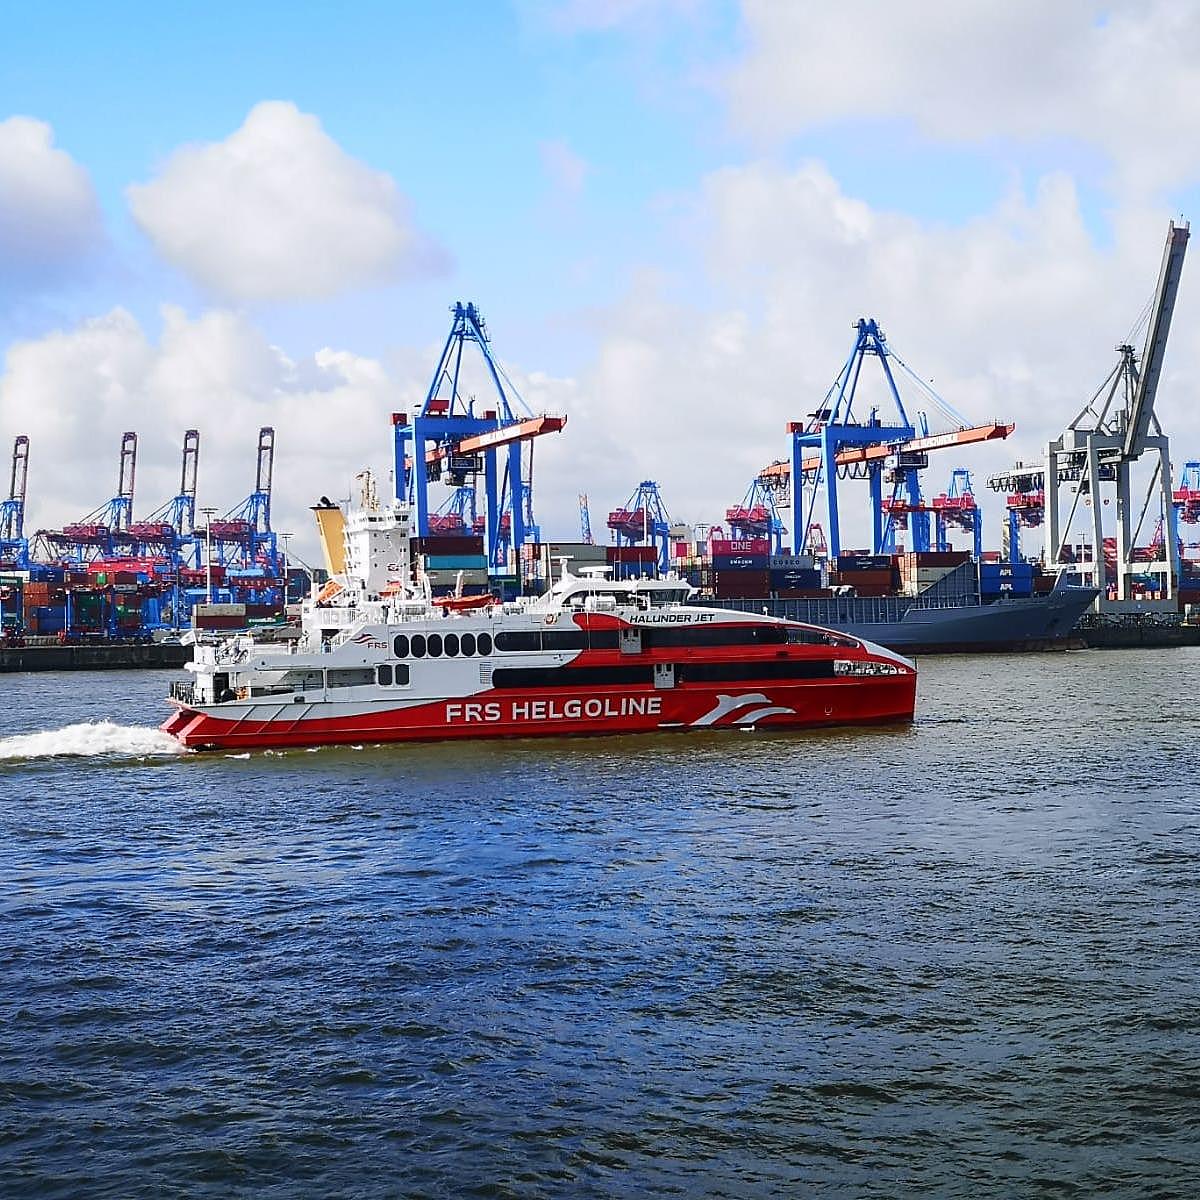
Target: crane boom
[[1137, 424], [523, 430], [863, 454]]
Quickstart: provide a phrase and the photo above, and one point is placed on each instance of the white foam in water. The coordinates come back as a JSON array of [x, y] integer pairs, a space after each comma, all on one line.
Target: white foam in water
[[91, 739]]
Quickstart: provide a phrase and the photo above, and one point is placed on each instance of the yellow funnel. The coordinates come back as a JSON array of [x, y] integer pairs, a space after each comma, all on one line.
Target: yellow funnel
[[331, 521]]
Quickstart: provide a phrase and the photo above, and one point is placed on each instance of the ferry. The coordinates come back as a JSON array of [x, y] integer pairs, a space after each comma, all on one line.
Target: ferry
[[379, 659]]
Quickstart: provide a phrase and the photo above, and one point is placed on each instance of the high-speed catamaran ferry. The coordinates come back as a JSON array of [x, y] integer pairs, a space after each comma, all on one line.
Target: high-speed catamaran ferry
[[379, 660]]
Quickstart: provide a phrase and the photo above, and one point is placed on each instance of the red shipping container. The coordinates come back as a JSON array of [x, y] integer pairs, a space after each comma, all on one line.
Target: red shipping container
[[745, 546], [631, 554], [447, 545], [872, 589]]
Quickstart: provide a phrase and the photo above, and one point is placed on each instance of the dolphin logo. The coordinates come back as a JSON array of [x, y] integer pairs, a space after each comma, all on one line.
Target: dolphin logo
[[730, 704]]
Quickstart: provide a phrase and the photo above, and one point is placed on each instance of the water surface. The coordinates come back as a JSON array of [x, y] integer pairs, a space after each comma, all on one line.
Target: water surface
[[953, 959]]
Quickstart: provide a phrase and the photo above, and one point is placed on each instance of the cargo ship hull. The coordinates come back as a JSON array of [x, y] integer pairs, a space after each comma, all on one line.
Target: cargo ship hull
[[913, 625]]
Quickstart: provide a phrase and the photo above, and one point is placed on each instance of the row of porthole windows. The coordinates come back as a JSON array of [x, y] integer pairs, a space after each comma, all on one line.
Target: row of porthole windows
[[435, 645]]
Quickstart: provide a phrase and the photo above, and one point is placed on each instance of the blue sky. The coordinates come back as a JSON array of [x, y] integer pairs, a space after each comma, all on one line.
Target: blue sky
[[454, 104], [670, 211]]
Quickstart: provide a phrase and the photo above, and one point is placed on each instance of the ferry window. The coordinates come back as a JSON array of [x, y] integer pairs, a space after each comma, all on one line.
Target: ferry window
[[573, 677], [400, 646], [418, 645], [818, 637], [351, 677], [747, 671], [468, 643], [603, 639], [435, 645], [716, 635], [385, 675], [519, 641], [304, 681], [451, 645], [401, 674], [564, 639], [484, 643]]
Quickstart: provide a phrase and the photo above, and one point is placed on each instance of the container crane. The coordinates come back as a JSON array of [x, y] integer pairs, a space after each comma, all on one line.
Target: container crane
[[14, 546], [1024, 501], [1187, 496], [835, 443], [643, 520], [585, 520], [456, 517], [169, 531], [449, 438], [98, 534], [243, 539], [956, 508], [755, 516], [1094, 457]]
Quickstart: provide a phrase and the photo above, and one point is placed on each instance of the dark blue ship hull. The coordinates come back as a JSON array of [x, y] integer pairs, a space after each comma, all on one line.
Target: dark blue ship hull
[[936, 624]]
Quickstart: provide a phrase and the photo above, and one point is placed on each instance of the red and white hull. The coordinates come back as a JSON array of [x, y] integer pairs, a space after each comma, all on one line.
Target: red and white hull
[[550, 712]]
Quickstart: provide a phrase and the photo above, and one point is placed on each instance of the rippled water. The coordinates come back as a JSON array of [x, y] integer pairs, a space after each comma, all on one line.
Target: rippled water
[[956, 959]]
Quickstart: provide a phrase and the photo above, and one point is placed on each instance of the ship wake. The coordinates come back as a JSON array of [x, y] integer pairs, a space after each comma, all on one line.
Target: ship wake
[[98, 739]]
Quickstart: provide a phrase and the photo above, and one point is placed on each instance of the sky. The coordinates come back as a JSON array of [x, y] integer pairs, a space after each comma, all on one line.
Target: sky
[[670, 212]]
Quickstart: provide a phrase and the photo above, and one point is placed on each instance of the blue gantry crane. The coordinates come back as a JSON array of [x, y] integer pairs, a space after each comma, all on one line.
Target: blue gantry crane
[[243, 540], [1186, 496], [585, 520], [756, 517], [100, 533], [888, 450], [643, 520], [14, 545], [956, 508], [169, 531], [465, 442], [457, 516]]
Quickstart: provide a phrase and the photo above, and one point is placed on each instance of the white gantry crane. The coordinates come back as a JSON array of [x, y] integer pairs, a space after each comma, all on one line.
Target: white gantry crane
[[1091, 465]]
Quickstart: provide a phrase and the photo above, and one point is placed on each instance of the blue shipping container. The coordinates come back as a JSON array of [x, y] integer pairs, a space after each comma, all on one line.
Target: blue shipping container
[[864, 562], [795, 577], [1017, 589]]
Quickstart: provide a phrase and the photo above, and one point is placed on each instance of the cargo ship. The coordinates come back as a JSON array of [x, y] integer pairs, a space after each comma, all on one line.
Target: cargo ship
[[916, 603], [381, 659]]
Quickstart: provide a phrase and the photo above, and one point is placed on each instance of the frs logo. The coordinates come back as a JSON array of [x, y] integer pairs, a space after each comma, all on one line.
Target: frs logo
[[368, 641]]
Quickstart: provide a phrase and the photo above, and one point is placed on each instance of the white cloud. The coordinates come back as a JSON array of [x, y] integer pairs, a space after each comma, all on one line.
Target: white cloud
[[49, 218], [74, 392], [279, 211], [1013, 316], [1123, 77]]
